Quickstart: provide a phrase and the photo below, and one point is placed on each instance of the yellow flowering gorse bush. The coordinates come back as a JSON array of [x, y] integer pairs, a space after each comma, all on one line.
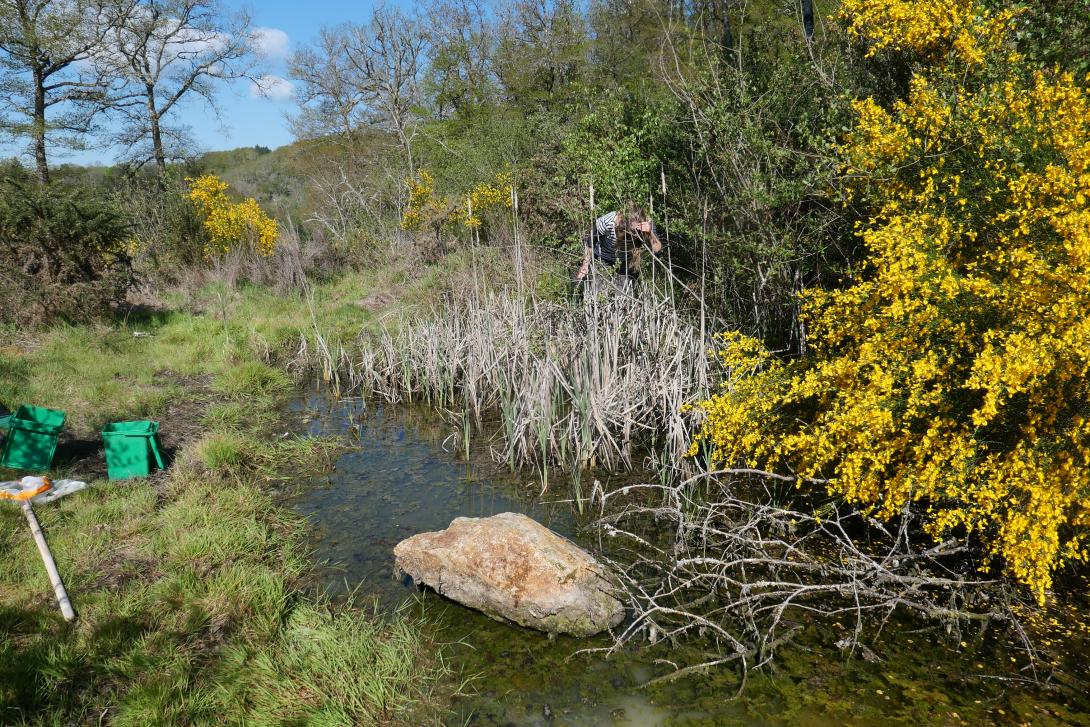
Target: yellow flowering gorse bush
[[953, 371], [230, 225], [422, 203], [427, 208], [934, 30]]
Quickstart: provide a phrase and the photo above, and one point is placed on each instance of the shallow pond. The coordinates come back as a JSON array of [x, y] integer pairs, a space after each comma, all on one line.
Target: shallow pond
[[398, 478]]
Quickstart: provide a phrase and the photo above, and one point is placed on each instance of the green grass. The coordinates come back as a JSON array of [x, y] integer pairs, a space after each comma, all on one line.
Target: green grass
[[189, 614], [224, 453], [300, 678], [232, 453], [254, 380], [229, 416], [189, 589]]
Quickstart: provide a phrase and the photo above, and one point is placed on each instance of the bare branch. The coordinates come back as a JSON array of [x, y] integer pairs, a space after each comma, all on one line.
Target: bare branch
[[745, 567]]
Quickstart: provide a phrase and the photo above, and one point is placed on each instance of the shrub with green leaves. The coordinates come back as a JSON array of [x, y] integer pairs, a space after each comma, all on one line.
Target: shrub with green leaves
[[1055, 33], [62, 253], [166, 233]]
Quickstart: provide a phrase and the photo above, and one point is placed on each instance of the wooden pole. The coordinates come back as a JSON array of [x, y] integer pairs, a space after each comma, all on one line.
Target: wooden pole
[[518, 238], [50, 565]]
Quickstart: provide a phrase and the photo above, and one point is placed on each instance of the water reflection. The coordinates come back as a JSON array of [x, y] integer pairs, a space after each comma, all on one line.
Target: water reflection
[[398, 479]]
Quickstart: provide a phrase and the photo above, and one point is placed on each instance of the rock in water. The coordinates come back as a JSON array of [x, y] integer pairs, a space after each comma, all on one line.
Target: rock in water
[[514, 569]]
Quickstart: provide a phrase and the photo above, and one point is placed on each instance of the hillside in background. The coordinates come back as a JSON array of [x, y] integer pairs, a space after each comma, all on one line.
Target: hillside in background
[[275, 178]]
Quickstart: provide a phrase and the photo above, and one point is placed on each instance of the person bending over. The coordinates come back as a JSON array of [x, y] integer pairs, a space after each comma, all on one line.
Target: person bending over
[[617, 240]]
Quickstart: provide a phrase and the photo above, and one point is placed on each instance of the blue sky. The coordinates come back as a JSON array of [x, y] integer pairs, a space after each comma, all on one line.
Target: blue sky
[[249, 119]]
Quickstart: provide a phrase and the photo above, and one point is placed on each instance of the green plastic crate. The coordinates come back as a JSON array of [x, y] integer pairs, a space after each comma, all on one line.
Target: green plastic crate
[[32, 438], [130, 447]]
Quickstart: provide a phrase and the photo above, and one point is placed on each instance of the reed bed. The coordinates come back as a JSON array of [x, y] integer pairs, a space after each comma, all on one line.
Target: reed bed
[[601, 383]]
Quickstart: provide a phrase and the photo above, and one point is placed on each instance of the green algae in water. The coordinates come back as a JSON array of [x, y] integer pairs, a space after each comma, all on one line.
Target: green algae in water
[[399, 480]]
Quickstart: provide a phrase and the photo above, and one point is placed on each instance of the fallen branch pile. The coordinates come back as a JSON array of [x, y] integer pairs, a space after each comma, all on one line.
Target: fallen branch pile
[[744, 559]]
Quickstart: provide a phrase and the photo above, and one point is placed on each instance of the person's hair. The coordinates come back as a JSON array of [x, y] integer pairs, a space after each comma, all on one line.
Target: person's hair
[[632, 212], [628, 238]]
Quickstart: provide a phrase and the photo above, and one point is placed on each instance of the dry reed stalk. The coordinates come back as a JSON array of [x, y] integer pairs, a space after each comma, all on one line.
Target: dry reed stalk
[[598, 384]]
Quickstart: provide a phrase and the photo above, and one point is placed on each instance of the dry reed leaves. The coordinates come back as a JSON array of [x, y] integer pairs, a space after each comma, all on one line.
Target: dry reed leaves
[[600, 384]]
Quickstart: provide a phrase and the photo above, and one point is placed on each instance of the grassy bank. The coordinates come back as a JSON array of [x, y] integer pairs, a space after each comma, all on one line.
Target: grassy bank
[[189, 585]]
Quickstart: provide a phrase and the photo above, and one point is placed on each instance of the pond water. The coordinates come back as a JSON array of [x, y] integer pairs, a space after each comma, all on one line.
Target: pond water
[[400, 477]]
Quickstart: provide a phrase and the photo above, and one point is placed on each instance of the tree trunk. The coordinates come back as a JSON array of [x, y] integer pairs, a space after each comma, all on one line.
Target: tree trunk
[[39, 126], [406, 144], [156, 135], [727, 33]]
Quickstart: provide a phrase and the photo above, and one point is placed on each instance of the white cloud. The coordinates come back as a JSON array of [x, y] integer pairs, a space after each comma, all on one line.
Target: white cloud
[[271, 42], [273, 88]]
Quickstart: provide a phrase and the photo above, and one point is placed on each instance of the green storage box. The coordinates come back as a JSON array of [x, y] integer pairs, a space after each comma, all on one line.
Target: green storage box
[[32, 438], [130, 447]]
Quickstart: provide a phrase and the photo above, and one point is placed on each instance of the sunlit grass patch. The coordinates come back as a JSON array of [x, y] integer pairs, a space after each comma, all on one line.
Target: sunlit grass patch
[[332, 668], [224, 453], [231, 452], [254, 380], [227, 416]]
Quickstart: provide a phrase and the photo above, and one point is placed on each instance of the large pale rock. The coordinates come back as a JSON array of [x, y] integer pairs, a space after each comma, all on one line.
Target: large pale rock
[[514, 569]]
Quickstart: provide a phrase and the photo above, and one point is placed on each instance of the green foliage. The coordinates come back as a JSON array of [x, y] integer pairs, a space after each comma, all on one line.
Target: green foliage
[[1055, 33], [617, 147], [730, 147], [166, 234], [628, 36], [542, 62], [63, 253], [614, 148], [749, 180]]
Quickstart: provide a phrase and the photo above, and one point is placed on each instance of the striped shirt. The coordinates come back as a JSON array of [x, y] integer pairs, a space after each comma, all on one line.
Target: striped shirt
[[605, 238]]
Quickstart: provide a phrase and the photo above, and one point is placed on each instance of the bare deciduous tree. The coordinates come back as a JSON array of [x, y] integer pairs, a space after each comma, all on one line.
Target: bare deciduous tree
[[364, 76], [166, 52]]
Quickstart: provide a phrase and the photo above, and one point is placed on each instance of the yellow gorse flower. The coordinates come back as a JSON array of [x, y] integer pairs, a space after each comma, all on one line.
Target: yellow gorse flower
[[427, 208], [229, 224], [953, 372], [935, 30]]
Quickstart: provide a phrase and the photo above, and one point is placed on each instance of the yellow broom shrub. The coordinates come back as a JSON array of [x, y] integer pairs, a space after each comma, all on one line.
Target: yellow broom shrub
[[427, 208], [952, 370], [230, 225]]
